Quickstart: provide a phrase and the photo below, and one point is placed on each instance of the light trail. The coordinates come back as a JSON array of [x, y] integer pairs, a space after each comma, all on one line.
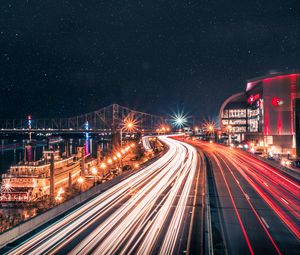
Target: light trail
[[281, 193], [272, 194], [235, 207], [136, 211], [133, 214], [261, 220]]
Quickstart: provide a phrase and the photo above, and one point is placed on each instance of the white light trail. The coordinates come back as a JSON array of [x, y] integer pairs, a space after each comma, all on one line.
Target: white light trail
[[143, 203]]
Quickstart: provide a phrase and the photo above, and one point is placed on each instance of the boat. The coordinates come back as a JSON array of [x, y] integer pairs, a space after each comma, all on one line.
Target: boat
[[30, 181]]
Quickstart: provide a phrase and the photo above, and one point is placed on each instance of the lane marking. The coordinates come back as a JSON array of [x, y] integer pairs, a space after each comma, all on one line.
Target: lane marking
[[235, 207], [264, 221], [254, 211]]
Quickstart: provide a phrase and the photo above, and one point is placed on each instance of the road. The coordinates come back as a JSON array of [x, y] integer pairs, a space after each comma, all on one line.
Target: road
[[149, 212], [254, 208]]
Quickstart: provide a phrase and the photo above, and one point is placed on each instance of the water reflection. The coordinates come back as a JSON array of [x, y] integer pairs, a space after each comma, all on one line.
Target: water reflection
[[14, 151]]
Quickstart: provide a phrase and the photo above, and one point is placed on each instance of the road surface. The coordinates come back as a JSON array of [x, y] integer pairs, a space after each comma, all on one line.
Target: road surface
[[254, 208], [149, 212]]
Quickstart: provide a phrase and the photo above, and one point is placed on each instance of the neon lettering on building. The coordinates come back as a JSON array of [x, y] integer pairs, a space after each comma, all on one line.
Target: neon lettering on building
[[253, 98]]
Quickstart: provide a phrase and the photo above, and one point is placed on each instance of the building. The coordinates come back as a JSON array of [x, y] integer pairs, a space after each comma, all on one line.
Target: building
[[266, 113], [297, 126], [233, 114]]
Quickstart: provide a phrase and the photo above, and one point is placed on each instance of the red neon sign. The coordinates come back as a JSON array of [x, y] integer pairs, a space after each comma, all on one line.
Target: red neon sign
[[253, 98], [276, 101]]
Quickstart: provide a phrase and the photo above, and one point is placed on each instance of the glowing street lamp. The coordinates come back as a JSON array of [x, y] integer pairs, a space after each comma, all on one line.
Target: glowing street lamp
[[94, 172], [58, 197], [103, 166], [109, 161], [7, 186], [179, 120], [119, 156], [210, 128], [129, 125], [80, 180]]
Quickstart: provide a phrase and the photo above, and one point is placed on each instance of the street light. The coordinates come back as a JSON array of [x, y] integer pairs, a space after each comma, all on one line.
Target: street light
[[94, 172], [80, 180], [210, 128], [129, 125], [179, 120], [7, 186], [109, 161], [59, 198]]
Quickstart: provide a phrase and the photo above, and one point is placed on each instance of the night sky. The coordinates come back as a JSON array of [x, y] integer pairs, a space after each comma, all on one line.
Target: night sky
[[63, 58]]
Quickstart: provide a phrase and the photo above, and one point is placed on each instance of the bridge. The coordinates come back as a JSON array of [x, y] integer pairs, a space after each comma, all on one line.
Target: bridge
[[106, 119]]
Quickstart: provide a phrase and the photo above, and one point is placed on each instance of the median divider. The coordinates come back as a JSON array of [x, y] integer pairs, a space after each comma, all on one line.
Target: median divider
[[208, 237]]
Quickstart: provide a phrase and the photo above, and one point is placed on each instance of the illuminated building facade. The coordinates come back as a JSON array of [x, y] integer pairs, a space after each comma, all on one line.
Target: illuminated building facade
[[233, 115], [297, 126], [271, 112]]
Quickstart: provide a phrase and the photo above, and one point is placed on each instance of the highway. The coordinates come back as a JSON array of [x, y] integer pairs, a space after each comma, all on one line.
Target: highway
[[147, 213], [254, 207]]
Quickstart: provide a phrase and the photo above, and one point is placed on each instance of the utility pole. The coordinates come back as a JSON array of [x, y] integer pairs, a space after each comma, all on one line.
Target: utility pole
[[98, 156], [82, 161], [52, 176], [70, 180]]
